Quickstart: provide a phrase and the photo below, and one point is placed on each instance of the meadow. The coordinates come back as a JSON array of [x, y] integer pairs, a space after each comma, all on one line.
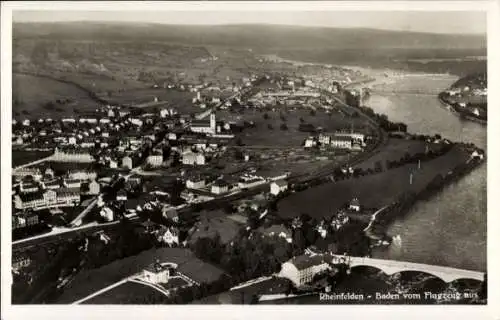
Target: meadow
[[373, 191], [268, 131], [395, 149]]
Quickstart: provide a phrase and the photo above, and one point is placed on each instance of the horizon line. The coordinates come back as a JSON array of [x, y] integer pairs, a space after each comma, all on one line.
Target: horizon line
[[248, 24]]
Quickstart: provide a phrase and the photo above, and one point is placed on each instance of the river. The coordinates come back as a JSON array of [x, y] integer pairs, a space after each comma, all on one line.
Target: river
[[450, 228]]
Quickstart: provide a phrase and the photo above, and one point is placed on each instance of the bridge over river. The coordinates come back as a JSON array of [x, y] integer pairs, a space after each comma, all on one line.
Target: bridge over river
[[390, 267], [403, 93]]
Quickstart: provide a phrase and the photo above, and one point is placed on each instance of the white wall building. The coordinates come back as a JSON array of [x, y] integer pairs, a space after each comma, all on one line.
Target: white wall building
[[156, 273], [82, 175], [353, 135], [127, 162], [219, 187], [341, 142], [301, 270], [324, 139], [80, 156], [191, 158], [155, 160], [49, 199]]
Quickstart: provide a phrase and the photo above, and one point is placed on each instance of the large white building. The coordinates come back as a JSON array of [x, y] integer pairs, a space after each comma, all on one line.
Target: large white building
[[341, 142], [62, 197], [76, 155], [301, 270], [27, 171], [353, 135], [82, 175]]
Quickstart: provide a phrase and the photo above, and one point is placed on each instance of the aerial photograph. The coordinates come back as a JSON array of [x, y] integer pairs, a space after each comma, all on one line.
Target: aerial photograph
[[249, 157]]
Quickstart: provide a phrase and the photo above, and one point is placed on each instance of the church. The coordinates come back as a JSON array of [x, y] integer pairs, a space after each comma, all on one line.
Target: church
[[207, 126]]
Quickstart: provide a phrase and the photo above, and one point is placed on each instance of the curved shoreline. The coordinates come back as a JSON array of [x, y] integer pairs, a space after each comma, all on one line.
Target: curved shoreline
[[459, 113], [377, 229]]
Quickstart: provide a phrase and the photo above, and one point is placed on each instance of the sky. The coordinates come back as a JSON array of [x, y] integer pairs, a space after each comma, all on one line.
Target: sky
[[463, 22]]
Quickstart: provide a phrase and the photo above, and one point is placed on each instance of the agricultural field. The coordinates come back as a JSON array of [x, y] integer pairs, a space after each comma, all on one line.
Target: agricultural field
[[373, 191], [89, 281], [263, 135], [180, 100], [30, 95], [100, 83], [395, 149]]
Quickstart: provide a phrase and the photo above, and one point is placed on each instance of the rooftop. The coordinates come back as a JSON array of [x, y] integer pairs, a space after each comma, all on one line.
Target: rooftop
[[281, 183], [304, 261], [220, 183], [155, 267], [276, 229], [341, 138]]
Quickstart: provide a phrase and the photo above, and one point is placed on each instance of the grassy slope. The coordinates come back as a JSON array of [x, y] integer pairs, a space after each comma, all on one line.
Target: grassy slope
[[90, 281], [31, 93]]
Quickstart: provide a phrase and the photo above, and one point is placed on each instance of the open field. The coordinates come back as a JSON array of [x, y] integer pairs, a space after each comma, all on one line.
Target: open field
[[174, 98], [31, 93], [373, 191], [263, 136], [395, 149], [129, 293], [20, 157], [89, 281]]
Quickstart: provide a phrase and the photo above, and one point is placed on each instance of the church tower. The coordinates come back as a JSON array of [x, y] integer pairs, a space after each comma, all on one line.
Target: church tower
[[212, 123]]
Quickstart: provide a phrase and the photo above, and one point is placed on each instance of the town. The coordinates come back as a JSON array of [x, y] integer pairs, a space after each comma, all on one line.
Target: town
[[239, 178]]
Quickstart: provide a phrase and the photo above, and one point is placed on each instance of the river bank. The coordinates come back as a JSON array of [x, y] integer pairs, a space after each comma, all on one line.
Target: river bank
[[377, 229], [453, 107]]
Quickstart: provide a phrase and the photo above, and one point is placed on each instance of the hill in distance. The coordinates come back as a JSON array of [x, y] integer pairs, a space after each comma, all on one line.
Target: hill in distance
[[249, 36]]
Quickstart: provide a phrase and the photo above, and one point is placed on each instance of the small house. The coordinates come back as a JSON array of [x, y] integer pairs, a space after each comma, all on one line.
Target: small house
[[219, 186], [355, 205]]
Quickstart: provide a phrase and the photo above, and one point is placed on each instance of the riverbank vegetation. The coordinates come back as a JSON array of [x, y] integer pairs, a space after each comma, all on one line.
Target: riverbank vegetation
[[468, 97]]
